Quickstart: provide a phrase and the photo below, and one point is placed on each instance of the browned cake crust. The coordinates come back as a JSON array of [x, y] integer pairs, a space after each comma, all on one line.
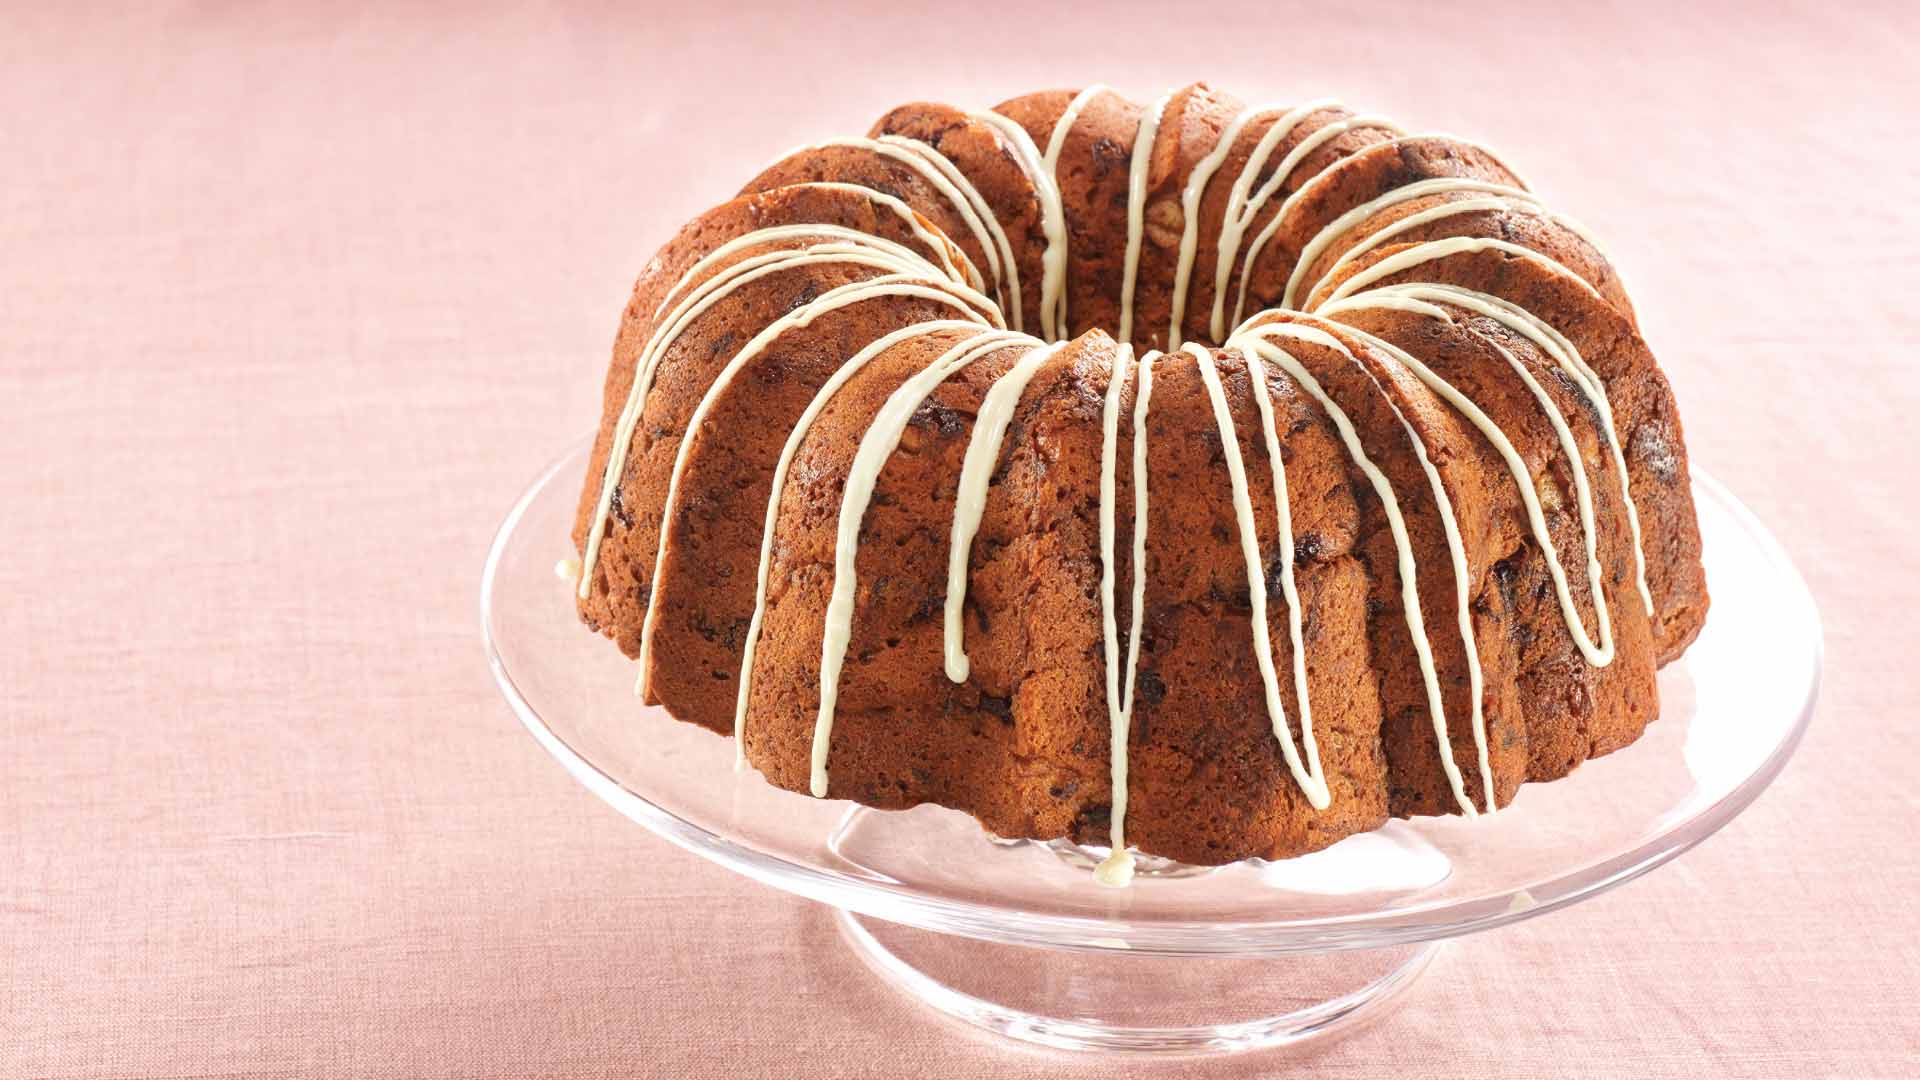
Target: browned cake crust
[[1420, 340]]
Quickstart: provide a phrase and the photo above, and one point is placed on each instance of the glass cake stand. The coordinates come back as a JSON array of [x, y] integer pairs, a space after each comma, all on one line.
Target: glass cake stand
[[1017, 938]]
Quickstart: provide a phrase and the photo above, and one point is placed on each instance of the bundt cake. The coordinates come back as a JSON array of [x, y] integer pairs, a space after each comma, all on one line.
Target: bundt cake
[[1208, 480]]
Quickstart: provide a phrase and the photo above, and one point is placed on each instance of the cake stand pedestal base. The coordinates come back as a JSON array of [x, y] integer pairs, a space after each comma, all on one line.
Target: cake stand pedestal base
[[1137, 1003]]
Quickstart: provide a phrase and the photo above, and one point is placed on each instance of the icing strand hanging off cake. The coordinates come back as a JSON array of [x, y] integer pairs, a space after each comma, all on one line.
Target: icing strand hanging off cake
[[857, 250], [848, 370], [1117, 868], [881, 439], [1259, 341], [892, 285]]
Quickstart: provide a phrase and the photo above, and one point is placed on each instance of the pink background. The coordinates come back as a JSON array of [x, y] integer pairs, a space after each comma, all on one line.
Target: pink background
[[293, 303]]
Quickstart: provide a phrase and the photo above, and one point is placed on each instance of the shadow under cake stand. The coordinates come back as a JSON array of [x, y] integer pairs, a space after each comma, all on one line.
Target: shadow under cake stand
[[1017, 938]]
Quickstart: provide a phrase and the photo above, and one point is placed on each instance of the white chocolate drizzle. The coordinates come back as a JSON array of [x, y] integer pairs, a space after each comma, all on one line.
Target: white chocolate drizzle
[[880, 255], [1462, 588], [1320, 137], [1056, 142], [965, 199], [831, 300], [1428, 250], [882, 437], [1325, 177], [1297, 284], [970, 499], [1503, 198], [1064, 124], [1137, 176], [1310, 778], [1289, 587], [1117, 868], [1190, 198], [1597, 655], [818, 234], [1566, 356], [1238, 213], [801, 426], [1260, 339], [1053, 223]]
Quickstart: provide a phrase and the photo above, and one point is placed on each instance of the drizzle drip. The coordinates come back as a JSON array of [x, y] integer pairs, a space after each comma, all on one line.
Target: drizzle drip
[[1259, 339], [965, 199], [875, 253], [1053, 222], [821, 397], [1117, 868], [970, 501], [832, 300], [1310, 778], [1137, 167], [882, 437], [1308, 145]]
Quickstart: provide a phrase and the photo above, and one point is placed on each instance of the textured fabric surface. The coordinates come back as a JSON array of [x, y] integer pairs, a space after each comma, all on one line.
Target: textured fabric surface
[[293, 303]]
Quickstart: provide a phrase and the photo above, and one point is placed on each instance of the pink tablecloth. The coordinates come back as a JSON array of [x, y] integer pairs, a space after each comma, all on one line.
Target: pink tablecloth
[[292, 304]]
